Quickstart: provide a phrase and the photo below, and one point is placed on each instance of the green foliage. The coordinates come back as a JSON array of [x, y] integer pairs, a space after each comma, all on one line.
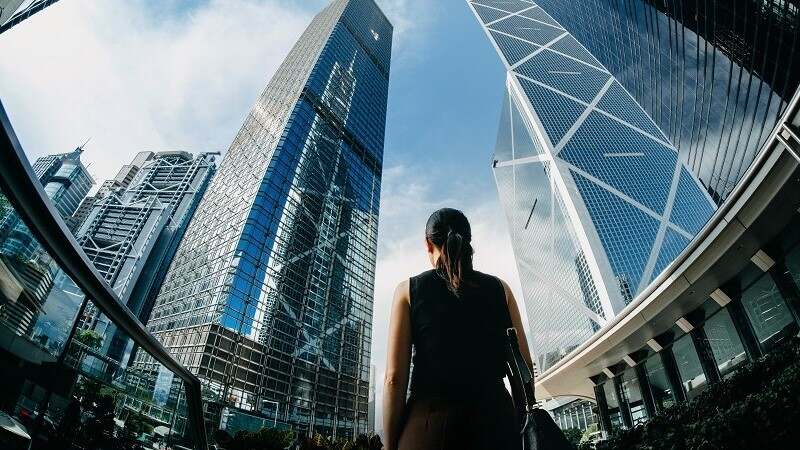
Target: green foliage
[[264, 439], [89, 338], [573, 435], [757, 407], [137, 424], [589, 431], [274, 439], [99, 428]]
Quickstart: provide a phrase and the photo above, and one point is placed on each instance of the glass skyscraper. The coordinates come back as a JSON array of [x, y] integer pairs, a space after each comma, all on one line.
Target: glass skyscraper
[[269, 296], [131, 234], [13, 12], [597, 198], [65, 181], [715, 75]]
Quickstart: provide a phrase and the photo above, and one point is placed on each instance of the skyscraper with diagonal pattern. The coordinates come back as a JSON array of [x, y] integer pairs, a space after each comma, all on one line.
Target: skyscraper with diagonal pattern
[[269, 296], [597, 200]]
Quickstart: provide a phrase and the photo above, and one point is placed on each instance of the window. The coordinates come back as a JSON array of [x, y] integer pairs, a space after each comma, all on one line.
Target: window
[[724, 342], [632, 391], [614, 414], [793, 265], [768, 313], [691, 372], [663, 397]]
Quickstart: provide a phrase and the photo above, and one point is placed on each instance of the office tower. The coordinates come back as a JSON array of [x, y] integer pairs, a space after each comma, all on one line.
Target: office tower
[[25, 285], [23, 263], [131, 233], [7, 9], [269, 297], [65, 181], [120, 181], [597, 200], [12, 12], [714, 75]]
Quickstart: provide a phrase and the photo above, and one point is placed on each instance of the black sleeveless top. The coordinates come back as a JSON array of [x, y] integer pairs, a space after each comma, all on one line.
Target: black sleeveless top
[[458, 342]]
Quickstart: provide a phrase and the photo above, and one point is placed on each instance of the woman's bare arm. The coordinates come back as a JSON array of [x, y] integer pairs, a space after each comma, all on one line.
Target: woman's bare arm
[[398, 363], [516, 321]]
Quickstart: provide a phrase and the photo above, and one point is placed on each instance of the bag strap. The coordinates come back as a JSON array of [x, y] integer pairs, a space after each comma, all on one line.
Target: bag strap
[[516, 361]]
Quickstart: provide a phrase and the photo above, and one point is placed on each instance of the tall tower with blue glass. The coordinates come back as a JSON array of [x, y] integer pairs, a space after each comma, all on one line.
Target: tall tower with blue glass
[[269, 296], [597, 199]]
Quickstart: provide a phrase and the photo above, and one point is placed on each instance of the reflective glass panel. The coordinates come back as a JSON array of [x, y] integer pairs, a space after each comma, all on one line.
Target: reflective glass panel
[[689, 367], [59, 386], [767, 311], [660, 388], [633, 394], [724, 341], [38, 302], [793, 265], [614, 413]]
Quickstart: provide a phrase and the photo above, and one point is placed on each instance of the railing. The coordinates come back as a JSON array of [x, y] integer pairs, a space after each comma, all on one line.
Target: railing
[[24, 192]]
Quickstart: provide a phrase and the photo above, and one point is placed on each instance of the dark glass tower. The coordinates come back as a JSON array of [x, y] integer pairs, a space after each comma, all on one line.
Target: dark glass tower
[[269, 297]]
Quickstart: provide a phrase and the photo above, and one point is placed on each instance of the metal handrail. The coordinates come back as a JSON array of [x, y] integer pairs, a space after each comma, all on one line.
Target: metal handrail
[[26, 194]]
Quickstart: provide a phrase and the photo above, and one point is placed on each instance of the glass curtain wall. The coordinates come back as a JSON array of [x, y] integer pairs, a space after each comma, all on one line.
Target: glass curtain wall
[[767, 311], [660, 388], [56, 382], [725, 343], [766, 302], [632, 391], [691, 372]]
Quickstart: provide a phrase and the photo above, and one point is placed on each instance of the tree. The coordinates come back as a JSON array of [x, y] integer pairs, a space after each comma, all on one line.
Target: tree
[[89, 338]]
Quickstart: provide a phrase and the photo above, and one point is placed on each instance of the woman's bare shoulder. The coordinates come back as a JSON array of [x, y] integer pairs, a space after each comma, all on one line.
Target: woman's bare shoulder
[[401, 292]]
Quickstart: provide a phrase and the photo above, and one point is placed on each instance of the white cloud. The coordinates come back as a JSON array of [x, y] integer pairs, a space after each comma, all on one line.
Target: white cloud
[[108, 71], [133, 77], [410, 19], [133, 80], [406, 203]]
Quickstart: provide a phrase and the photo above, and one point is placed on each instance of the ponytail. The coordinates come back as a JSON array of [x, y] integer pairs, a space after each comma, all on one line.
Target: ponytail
[[450, 231]]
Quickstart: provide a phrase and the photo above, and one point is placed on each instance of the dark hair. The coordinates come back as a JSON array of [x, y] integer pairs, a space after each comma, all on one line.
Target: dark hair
[[449, 230]]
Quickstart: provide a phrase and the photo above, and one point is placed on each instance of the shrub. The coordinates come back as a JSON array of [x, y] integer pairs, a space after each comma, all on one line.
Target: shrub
[[263, 439], [757, 407], [274, 439], [573, 435]]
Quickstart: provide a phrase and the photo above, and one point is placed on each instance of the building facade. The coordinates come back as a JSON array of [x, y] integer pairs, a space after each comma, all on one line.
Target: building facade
[[597, 200], [65, 181], [132, 232], [269, 297], [732, 297], [120, 181], [714, 75], [41, 367], [12, 12]]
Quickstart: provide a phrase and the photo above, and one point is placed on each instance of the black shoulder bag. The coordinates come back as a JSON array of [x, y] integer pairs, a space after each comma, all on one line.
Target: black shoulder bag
[[539, 430]]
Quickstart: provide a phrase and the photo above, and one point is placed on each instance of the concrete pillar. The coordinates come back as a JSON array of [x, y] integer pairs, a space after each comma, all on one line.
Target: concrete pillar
[[744, 329], [624, 406], [671, 368], [602, 407], [647, 394], [706, 355]]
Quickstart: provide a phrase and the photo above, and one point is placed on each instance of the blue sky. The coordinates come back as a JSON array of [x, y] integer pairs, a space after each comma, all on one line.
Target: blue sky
[[159, 75]]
